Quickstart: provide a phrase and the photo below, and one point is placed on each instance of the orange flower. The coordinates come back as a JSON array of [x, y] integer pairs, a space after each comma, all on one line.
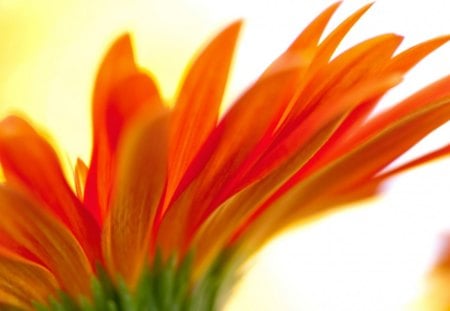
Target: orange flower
[[168, 184]]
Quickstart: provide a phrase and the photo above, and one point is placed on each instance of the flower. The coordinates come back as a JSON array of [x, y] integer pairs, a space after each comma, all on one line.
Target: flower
[[175, 200]]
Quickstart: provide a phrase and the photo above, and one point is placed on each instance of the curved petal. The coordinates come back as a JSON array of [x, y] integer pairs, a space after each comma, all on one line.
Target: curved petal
[[420, 100], [137, 193], [122, 93], [332, 41], [350, 80], [197, 106], [23, 282], [371, 186], [223, 153], [298, 199], [46, 238], [117, 65], [401, 64], [313, 133], [30, 163], [304, 48]]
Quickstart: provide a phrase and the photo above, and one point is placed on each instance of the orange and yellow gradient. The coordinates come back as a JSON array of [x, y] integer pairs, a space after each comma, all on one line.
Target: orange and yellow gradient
[[374, 257]]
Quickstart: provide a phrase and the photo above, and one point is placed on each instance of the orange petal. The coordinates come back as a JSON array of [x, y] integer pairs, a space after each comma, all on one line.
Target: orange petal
[[117, 65], [140, 182], [319, 56], [48, 239], [348, 81], [303, 143], [434, 92], [30, 163], [298, 199], [332, 41], [303, 49], [380, 150], [407, 59], [197, 106], [401, 63], [129, 100], [360, 62], [120, 94], [441, 152], [23, 282], [371, 186], [223, 153]]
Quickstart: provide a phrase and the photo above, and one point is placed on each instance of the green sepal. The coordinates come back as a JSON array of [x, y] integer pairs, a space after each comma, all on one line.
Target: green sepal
[[164, 285]]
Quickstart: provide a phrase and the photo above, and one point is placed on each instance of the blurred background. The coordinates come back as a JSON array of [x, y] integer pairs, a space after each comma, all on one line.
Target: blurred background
[[374, 256]]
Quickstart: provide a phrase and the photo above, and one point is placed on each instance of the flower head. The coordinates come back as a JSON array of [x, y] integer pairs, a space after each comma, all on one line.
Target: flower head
[[189, 194]]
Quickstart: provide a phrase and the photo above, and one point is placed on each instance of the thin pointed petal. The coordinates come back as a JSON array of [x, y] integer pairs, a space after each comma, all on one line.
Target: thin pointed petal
[[122, 94], [304, 48], [332, 41], [303, 143], [406, 60], [401, 63], [197, 106], [297, 200], [346, 84], [432, 93], [431, 156], [221, 156], [117, 65]]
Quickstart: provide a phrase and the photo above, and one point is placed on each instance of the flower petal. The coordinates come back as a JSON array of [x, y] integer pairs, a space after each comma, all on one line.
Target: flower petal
[[116, 66], [299, 199], [309, 137], [48, 239], [407, 59], [304, 48], [122, 93], [30, 163], [331, 42], [224, 151], [197, 106], [371, 186], [434, 92], [401, 63], [141, 180], [23, 282], [443, 151], [351, 79]]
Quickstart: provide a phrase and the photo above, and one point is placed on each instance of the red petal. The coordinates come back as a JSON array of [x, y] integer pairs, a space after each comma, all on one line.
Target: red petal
[[31, 164]]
